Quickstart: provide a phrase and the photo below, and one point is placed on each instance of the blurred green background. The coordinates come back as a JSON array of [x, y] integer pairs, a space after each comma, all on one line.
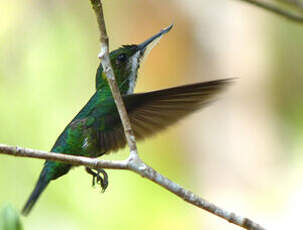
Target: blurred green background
[[243, 153]]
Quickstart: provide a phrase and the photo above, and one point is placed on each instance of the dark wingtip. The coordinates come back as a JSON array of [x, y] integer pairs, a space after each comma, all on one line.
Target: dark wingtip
[[225, 81]]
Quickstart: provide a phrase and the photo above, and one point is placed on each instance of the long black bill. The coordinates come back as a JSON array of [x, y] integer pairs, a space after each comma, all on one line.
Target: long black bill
[[154, 38]]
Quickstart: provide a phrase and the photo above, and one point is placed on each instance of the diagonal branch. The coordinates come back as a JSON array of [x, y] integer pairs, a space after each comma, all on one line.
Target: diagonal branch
[[108, 70], [142, 169], [296, 4], [276, 10]]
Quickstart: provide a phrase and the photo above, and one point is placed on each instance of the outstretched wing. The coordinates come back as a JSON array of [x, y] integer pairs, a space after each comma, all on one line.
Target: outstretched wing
[[154, 111]]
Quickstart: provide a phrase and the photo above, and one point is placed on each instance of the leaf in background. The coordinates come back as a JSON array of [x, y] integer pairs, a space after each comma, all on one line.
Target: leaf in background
[[9, 218]]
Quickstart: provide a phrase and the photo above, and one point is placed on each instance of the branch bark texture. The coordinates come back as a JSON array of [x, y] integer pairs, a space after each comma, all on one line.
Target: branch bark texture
[[142, 169]]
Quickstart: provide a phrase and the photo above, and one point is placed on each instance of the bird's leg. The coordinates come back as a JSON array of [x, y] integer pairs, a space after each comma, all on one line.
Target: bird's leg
[[102, 181], [91, 172], [97, 178]]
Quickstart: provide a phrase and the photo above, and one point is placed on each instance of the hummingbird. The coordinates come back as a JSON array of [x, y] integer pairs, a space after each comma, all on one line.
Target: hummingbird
[[97, 128]]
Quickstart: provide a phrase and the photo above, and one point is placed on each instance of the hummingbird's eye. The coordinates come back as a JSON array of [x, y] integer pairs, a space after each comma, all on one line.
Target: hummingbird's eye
[[121, 58]]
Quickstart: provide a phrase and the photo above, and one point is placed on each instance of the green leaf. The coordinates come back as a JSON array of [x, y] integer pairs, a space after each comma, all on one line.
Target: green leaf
[[9, 218]]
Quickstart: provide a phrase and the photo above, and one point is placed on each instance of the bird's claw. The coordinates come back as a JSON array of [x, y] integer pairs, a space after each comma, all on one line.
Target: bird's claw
[[97, 178]]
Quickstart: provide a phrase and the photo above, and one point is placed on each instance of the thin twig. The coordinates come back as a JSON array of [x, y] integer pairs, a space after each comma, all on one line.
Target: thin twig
[[108, 70], [65, 158], [296, 4], [141, 169], [276, 10]]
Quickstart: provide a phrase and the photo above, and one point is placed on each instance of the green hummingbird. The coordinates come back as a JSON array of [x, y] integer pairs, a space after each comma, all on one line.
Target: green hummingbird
[[97, 128]]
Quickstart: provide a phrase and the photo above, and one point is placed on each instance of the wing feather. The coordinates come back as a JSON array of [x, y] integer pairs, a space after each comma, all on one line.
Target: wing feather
[[154, 111]]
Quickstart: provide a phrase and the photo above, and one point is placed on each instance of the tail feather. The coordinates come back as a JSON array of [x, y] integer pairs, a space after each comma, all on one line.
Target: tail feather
[[42, 182]]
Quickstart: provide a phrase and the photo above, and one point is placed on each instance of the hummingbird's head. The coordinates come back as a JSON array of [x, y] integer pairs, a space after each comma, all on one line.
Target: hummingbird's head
[[126, 62]]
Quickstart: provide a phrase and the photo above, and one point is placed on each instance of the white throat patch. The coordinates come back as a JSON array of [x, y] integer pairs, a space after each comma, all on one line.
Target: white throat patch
[[134, 62]]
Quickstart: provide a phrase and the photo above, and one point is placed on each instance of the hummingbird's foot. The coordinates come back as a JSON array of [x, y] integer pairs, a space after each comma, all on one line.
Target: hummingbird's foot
[[97, 178]]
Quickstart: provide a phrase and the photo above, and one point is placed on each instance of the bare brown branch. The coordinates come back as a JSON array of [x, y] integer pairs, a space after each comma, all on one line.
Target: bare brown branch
[[136, 165], [276, 10], [296, 4]]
